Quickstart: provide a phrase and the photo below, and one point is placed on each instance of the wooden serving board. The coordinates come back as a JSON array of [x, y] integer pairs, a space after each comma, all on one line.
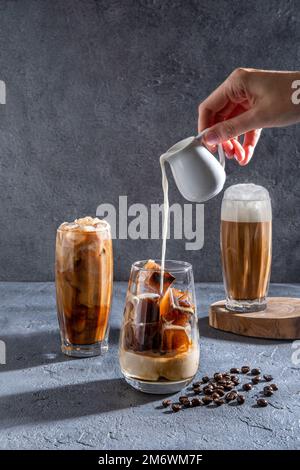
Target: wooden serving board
[[280, 320]]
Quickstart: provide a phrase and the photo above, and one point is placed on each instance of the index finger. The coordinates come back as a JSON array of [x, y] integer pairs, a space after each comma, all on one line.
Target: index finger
[[214, 103]]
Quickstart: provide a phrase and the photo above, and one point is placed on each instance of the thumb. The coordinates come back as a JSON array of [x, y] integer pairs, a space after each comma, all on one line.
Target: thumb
[[231, 128]]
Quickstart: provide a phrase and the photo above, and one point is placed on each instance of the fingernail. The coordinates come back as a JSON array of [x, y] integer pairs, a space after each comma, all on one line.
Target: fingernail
[[211, 138]]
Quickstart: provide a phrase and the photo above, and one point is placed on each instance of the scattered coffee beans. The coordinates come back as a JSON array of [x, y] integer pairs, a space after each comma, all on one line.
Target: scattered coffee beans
[[247, 387], [262, 402], [214, 390]]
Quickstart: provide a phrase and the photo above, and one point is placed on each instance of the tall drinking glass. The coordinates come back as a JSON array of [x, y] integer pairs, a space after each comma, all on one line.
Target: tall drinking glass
[[84, 277], [246, 246], [159, 344]]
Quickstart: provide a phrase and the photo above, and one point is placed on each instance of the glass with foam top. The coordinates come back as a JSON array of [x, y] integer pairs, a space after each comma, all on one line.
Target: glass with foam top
[[84, 278], [246, 246]]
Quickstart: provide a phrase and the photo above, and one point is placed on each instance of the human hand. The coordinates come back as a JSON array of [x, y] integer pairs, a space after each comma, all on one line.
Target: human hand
[[247, 101]]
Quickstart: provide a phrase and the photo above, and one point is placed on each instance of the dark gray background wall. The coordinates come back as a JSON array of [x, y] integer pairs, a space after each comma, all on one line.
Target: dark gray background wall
[[96, 90]]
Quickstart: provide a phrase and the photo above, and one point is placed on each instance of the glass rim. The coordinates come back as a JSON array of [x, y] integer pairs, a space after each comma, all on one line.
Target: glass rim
[[179, 266]]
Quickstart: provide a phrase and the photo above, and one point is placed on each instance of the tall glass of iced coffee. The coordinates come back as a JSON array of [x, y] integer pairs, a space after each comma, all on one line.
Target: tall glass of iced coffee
[[159, 344], [84, 278], [246, 246]]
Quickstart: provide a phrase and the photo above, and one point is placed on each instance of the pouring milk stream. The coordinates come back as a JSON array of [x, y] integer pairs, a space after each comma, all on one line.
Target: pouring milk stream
[[198, 176]]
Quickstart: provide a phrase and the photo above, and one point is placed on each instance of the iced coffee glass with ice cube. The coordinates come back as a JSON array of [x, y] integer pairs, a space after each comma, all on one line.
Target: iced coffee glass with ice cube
[[159, 343], [84, 278]]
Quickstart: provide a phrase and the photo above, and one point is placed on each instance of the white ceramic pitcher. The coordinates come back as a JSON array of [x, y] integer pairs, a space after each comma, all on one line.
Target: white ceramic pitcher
[[197, 173]]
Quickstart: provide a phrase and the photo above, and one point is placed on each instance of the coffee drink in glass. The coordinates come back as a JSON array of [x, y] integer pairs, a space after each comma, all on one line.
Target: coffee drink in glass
[[159, 344], [84, 278], [246, 246]]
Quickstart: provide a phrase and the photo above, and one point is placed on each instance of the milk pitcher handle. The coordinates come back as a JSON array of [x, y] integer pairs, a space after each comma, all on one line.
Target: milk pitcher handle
[[221, 153]]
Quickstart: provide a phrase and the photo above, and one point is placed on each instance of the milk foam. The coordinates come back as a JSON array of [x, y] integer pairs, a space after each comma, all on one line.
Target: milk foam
[[85, 224], [246, 203]]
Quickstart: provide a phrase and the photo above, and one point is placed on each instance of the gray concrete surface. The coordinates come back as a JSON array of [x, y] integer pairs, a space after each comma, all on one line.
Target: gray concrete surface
[[98, 89], [48, 401]]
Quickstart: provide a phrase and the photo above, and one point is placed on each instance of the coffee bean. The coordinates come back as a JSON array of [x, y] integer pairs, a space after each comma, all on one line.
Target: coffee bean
[[229, 386], [274, 387], [218, 376], [255, 371], [215, 396], [247, 387], [256, 380], [220, 386], [262, 402], [196, 401], [207, 400], [230, 396], [176, 407], [226, 376], [197, 390], [221, 383], [219, 401], [268, 392], [240, 399], [183, 399], [220, 392], [245, 369], [205, 379], [208, 389], [187, 404], [236, 381], [196, 384], [235, 370], [166, 403], [268, 377]]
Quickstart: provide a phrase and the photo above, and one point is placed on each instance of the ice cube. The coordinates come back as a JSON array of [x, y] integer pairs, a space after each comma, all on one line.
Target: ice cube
[[142, 337], [129, 310], [175, 339], [176, 307], [148, 279], [147, 308]]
